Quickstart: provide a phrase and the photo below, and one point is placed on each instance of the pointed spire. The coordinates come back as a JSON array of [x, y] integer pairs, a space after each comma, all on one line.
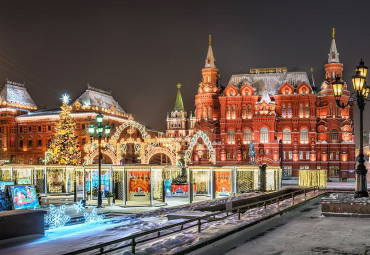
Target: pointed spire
[[333, 53], [210, 60], [312, 78], [179, 105]]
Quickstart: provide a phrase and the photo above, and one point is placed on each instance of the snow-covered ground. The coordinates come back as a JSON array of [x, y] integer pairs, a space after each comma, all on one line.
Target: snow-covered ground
[[70, 238], [306, 232]]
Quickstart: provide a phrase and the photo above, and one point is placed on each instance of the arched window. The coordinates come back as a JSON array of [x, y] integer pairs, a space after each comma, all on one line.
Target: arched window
[[287, 136], [301, 111], [307, 111], [246, 136], [244, 113], [264, 135], [304, 136], [284, 111], [234, 113], [228, 113], [231, 137], [249, 111], [289, 111], [334, 136]]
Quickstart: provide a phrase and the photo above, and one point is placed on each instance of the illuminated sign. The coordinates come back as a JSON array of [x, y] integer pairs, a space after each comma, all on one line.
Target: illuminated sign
[[269, 70]]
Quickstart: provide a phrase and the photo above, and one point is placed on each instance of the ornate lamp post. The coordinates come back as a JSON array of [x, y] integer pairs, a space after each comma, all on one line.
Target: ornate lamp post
[[362, 93], [99, 131]]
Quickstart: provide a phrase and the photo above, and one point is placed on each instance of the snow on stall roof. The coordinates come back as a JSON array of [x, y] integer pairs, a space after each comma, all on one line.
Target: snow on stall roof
[[17, 93], [272, 80], [98, 97]]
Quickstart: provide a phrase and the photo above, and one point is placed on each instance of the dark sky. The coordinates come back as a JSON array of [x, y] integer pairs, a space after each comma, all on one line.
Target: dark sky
[[140, 50]]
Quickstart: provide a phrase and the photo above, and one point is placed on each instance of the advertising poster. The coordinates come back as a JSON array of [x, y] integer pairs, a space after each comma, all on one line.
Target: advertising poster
[[222, 183], [139, 186], [24, 197]]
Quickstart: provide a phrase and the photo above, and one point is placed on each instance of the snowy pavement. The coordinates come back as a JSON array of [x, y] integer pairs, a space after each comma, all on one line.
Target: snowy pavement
[[307, 232]]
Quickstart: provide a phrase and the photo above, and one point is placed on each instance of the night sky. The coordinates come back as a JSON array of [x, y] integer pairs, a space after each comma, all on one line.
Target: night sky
[[140, 50]]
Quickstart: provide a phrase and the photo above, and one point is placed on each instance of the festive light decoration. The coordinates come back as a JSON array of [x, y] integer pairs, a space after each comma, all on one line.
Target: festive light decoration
[[57, 217], [63, 149], [311, 178], [79, 207], [93, 216], [65, 99], [205, 138]]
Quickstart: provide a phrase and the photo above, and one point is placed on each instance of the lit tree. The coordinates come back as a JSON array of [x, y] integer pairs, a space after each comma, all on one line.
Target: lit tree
[[63, 148]]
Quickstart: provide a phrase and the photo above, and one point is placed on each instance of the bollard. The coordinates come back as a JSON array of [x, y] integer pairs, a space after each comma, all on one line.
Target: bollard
[[199, 226], [293, 196], [264, 205], [133, 244], [304, 194], [159, 233], [238, 214], [277, 201]]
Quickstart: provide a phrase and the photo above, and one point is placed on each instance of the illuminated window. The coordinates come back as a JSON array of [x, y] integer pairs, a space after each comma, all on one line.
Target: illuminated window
[[333, 171], [30, 161], [204, 113], [249, 111], [264, 135], [287, 171], [334, 136], [301, 111], [304, 136], [301, 155], [228, 112], [284, 111], [336, 112], [290, 154], [231, 137], [307, 155], [287, 136], [289, 111], [246, 136], [244, 113], [209, 113], [234, 112], [307, 111], [330, 111]]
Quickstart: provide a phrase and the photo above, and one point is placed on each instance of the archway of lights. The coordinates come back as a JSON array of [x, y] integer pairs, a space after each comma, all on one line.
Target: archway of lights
[[145, 147], [205, 138]]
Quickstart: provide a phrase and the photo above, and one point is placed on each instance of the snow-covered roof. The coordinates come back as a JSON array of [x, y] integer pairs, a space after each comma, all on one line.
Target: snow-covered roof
[[16, 93], [272, 80], [98, 97]]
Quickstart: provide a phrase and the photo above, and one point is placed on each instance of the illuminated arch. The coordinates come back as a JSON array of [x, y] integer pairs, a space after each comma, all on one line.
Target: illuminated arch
[[205, 138], [131, 123], [90, 158], [173, 156], [264, 160]]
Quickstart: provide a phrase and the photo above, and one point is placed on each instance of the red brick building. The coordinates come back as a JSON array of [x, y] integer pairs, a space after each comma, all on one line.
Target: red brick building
[[292, 123]]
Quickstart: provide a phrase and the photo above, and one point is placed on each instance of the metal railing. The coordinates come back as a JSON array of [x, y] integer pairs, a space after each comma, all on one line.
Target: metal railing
[[197, 222]]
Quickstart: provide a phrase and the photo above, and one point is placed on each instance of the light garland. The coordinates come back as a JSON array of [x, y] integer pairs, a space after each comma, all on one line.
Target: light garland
[[57, 217]]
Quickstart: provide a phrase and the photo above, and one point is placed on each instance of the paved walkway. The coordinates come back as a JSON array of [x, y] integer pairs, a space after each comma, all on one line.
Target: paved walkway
[[307, 232]]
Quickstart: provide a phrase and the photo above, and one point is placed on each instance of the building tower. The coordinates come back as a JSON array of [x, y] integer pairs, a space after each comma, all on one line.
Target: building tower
[[177, 120], [206, 101], [333, 68]]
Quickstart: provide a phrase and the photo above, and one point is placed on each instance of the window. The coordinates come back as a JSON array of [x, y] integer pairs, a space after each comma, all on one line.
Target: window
[[249, 111], [336, 111], [30, 143], [289, 111], [39, 143], [304, 136], [39, 128], [1, 143], [209, 113], [307, 111], [284, 154], [331, 155], [228, 112], [301, 155], [307, 155], [334, 136], [287, 136], [227, 155], [231, 137], [83, 126], [290, 154], [21, 144], [49, 128], [40, 161], [29, 129], [244, 113], [30, 161], [287, 171], [234, 113], [304, 167], [330, 111], [334, 171], [83, 141], [284, 111], [204, 113], [246, 136], [264, 135], [301, 111]]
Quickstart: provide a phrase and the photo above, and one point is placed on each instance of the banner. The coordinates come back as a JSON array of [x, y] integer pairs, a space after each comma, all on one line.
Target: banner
[[222, 183], [139, 182]]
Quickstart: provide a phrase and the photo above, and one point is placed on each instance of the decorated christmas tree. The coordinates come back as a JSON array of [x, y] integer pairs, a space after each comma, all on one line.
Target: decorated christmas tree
[[63, 148]]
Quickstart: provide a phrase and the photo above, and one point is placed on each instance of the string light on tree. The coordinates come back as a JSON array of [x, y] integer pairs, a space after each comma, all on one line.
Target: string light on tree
[[64, 149]]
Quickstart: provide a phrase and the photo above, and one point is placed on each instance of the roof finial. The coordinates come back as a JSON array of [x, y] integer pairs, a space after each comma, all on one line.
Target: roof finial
[[210, 40], [311, 69], [333, 35], [265, 86], [178, 85]]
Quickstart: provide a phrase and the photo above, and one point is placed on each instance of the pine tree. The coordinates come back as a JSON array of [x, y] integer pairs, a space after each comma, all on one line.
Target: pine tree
[[63, 148]]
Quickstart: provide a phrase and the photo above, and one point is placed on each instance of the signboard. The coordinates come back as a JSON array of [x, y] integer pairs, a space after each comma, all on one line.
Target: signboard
[[24, 197], [222, 183]]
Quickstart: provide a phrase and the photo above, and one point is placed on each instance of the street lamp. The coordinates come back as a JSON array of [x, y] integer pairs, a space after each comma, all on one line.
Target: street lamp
[[362, 93], [99, 131]]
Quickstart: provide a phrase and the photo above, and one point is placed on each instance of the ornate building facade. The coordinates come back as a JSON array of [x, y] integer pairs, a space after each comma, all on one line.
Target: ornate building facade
[[290, 122], [25, 131]]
